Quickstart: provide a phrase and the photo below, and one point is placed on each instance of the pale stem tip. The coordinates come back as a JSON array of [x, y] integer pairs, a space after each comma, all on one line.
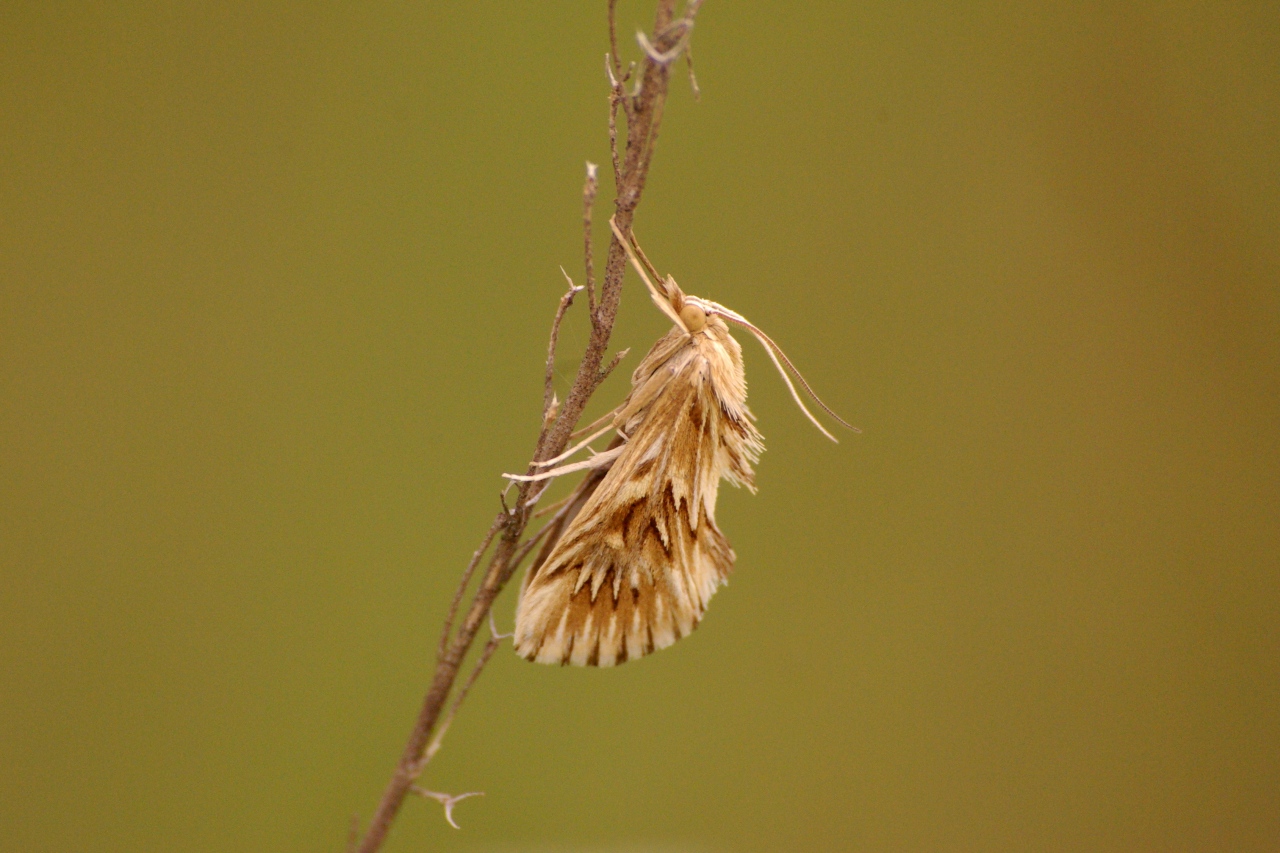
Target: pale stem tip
[[573, 288]]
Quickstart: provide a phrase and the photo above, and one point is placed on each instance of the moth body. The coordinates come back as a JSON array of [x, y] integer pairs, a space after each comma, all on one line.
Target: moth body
[[632, 560]]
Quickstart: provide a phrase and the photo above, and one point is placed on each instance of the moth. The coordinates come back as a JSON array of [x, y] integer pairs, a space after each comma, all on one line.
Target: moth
[[634, 556]]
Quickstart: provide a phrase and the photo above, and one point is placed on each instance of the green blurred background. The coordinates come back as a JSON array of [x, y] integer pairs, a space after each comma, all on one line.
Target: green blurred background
[[275, 283]]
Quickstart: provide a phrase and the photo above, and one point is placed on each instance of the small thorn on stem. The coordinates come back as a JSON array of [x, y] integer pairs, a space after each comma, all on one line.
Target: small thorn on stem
[[573, 288], [446, 800], [493, 631]]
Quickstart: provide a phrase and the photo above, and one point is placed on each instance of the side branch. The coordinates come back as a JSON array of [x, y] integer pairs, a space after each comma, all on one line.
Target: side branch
[[548, 386], [462, 585]]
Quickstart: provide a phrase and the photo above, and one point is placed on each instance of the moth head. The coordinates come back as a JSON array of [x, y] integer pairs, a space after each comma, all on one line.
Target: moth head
[[687, 312], [695, 319], [690, 315]]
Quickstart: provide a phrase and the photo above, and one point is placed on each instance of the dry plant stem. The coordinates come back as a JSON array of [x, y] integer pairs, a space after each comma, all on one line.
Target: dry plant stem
[[615, 97], [528, 545], [613, 67], [643, 112]]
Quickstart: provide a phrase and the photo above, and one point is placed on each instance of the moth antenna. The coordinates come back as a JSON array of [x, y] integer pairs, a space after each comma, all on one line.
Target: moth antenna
[[660, 298], [775, 352]]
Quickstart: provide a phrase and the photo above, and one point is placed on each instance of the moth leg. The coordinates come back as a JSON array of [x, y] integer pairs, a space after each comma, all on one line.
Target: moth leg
[[596, 424], [600, 460], [576, 447]]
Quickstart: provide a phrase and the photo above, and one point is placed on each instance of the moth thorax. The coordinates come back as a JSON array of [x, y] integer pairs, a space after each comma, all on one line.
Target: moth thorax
[[693, 317]]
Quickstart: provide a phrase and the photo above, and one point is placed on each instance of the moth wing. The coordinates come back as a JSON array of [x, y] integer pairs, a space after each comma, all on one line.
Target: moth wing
[[634, 569]]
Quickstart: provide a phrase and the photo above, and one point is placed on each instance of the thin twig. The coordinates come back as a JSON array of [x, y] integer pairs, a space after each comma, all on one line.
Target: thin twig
[[613, 38], [656, 71], [616, 97], [462, 584], [643, 112], [495, 640], [548, 386], [588, 201]]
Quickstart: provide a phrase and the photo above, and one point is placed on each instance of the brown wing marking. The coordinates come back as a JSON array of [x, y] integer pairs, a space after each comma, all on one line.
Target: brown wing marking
[[635, 568]]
